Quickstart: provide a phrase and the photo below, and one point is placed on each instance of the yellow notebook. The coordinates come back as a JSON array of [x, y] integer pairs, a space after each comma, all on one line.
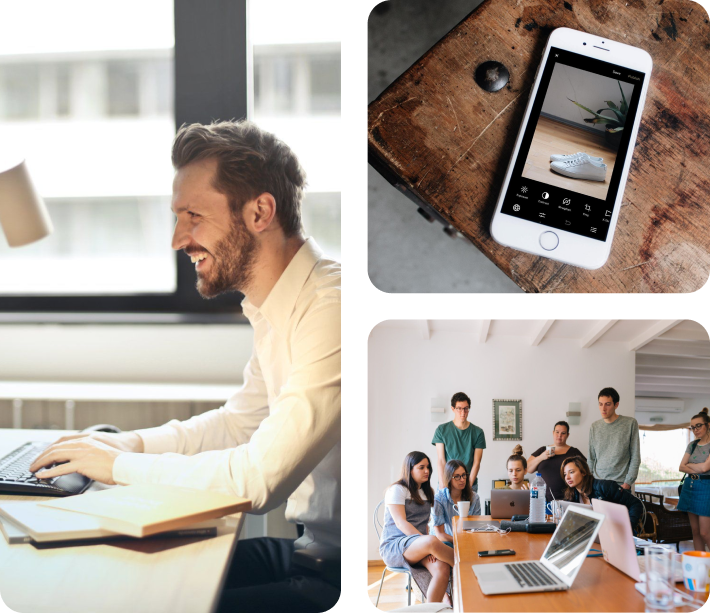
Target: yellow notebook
[[142, 510]]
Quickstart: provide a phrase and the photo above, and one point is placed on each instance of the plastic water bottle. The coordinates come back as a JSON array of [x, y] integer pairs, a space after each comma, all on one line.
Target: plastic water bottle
[[538, 489]]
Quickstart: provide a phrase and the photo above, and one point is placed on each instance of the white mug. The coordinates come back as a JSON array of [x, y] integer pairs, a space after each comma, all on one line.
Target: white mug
[[462, 508], [550, 448]]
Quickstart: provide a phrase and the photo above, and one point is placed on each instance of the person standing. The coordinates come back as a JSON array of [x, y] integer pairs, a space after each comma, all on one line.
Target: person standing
[[460, 440], [695, 495], [548, 462], [614, 444]]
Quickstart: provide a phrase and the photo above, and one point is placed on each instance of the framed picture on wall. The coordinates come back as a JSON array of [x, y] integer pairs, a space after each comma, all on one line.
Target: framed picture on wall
[[507, 420]]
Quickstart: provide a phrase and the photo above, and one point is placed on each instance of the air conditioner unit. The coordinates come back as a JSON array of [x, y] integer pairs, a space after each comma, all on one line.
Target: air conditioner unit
[[660, 405]]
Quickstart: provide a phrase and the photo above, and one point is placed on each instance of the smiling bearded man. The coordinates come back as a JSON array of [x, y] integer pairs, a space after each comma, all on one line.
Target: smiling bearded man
[[211, 165]]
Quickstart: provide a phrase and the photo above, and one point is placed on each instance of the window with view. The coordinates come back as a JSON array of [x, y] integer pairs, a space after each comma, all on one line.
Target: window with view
[[91, 111]]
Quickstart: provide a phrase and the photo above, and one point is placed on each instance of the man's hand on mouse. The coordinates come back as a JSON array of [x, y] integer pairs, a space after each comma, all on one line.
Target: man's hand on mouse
[[86, 455]]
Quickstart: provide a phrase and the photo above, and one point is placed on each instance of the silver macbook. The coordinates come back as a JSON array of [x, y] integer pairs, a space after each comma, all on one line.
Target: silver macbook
[[506, 503], [558, 566]]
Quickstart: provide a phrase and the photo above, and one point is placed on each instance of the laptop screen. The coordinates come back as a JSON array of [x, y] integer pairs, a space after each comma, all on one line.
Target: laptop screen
[[568, 546]]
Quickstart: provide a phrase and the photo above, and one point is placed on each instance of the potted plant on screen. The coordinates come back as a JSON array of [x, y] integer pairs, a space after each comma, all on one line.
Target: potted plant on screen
[[614, 123]]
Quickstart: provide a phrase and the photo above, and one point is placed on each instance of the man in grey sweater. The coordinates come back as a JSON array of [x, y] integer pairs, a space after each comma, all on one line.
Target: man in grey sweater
[[614, 445]]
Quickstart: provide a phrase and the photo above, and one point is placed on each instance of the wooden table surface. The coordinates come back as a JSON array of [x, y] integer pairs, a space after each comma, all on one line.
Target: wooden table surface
[[599, 586], [446, 142], [151, 575]]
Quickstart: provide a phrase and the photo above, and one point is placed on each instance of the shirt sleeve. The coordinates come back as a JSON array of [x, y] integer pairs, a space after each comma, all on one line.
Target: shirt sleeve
[[396, 494], [437, 513], [229, 426], [635, 449], [592, 456], [475, 505], [537, 452], [302, 426], [579, 453], [480, 442], [438, 435]]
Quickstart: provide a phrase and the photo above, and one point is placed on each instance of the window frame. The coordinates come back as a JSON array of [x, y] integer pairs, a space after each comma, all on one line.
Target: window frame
[[210, 42]]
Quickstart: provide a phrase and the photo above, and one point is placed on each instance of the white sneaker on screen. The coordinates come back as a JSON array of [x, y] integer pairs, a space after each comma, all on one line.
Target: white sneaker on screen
[[581, 168], [558, 157]]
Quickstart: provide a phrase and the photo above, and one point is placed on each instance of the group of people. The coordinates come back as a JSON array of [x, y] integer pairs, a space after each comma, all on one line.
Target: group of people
[[609, 473]]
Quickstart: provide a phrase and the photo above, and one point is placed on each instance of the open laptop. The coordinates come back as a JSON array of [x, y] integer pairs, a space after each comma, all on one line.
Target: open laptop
[[558, 566], [506, 503], [619, 545], [616, 538]]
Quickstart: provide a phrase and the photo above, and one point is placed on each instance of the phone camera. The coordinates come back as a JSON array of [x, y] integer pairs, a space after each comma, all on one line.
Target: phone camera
[[584, 43]]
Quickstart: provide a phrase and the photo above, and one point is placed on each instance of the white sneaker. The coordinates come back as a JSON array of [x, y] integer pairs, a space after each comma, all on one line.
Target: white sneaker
[[558, 157], [581, 168]]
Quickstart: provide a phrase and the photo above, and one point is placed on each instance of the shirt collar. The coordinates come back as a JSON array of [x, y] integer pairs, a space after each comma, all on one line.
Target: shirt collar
[[279, 304]]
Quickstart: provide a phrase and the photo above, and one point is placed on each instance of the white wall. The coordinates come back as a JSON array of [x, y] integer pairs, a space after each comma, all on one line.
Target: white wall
[[588, 89], [406, 372]]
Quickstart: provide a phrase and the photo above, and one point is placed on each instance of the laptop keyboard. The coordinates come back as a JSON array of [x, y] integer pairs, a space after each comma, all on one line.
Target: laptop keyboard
[[532, 574]]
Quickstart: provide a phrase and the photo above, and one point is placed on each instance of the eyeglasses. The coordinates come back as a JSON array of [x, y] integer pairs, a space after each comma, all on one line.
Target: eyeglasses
[[459, 477], [466, 410], [697, 426]]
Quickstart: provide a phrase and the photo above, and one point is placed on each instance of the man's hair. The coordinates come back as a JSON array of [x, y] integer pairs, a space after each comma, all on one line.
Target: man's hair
[[611, 393], [250, 161], [460, 397]]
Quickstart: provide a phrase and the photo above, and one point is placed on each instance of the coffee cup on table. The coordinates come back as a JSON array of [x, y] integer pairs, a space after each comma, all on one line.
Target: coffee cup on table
[[696, 571], [462, 507]]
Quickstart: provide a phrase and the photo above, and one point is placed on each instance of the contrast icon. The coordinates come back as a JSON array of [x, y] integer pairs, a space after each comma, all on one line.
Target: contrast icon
[[545, 195]]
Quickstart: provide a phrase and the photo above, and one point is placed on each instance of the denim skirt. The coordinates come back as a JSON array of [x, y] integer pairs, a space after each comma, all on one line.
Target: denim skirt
[[695, 496]]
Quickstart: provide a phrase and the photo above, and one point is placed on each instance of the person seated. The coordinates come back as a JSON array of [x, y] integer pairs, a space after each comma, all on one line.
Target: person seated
[[582, 487], [517, 465], [457, 488], [405, 541]]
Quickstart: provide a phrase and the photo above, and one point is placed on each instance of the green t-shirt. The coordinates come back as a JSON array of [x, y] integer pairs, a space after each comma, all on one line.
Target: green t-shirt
[[460, 444]]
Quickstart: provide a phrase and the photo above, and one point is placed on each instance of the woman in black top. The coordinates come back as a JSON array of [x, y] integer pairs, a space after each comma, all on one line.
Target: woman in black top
[[582, 487], [549, 464]]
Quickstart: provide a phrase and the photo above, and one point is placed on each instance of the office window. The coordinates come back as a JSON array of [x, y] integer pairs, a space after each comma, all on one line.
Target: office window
[[92, 113], [295, 93], [661, 453]]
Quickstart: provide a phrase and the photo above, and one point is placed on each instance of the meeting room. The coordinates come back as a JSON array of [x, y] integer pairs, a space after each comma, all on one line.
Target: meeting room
[[169, 306], [538, 465]]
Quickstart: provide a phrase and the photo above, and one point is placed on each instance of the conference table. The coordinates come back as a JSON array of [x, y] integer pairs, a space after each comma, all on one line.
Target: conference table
[[599, 586]]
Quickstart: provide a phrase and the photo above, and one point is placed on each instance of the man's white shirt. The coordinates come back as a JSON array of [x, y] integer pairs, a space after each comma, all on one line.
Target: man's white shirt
[[278, 437]]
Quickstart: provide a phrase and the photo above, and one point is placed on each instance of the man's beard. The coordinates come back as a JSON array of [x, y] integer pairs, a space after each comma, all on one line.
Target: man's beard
[[232, 263]]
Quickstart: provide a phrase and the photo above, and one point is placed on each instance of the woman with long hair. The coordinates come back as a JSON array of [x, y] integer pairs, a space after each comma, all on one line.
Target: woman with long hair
[[695, 495], [457, 488], [582, 487], [404, 540]]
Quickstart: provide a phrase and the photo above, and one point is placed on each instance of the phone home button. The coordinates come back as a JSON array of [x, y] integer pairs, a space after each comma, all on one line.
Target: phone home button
[[549, 241]]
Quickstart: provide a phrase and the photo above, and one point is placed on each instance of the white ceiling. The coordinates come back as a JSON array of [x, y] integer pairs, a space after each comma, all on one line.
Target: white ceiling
[[672, 356]]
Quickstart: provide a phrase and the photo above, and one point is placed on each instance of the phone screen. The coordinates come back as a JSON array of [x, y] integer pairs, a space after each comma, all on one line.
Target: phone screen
[[575, 194]]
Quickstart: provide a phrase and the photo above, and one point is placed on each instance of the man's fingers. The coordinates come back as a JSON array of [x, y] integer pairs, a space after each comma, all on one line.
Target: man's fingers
[[54, 457], [56, 471], [72, 437]]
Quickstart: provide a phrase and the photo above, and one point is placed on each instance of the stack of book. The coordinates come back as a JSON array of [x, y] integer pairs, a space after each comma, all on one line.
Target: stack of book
[[135, 511]]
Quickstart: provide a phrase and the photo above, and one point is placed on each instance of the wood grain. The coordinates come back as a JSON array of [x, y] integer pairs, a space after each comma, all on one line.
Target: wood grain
[[448, 142]]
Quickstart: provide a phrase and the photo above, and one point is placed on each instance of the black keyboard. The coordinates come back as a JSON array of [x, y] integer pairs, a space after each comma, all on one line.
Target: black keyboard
[[532, 574], [16, 478]]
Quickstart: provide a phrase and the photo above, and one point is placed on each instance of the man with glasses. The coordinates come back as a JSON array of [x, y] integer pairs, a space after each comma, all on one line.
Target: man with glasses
[[460, 440], [614, 444]]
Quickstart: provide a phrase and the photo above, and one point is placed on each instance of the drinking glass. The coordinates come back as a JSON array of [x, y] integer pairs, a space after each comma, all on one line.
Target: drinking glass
[[659, 579]]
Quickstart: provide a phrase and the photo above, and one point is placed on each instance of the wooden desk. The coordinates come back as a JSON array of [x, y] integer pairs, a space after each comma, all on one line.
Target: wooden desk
[[172, 575], [445, 142], [598, 586]]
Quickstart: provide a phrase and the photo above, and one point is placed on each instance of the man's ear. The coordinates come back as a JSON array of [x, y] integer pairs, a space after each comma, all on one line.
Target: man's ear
[[260, 213]]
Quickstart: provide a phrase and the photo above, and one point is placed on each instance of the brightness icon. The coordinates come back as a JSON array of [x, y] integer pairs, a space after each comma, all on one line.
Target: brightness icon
[[524, 189]]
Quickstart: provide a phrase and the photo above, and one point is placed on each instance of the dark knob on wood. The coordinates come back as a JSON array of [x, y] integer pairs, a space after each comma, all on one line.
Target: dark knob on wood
[[492, 76]]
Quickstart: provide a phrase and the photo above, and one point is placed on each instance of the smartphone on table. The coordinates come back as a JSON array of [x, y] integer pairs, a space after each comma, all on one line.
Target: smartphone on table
[[565, 181], [496, 552]]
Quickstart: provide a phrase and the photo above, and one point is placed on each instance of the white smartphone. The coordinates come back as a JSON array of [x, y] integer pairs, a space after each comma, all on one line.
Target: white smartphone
[[565, 181]]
